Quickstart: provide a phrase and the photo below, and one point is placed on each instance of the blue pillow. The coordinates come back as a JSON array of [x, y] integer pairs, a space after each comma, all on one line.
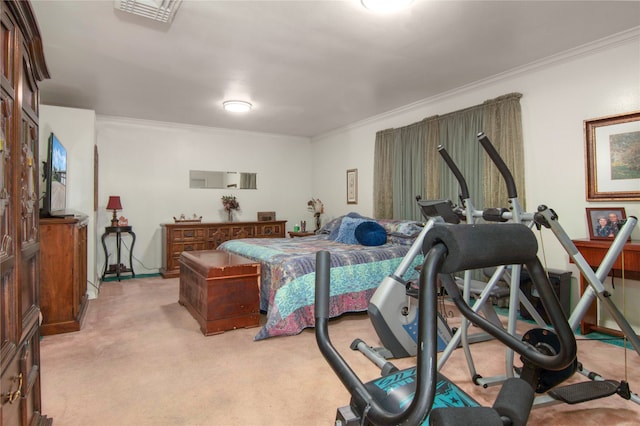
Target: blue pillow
[[371, 233], [347, 232], [335, 229]]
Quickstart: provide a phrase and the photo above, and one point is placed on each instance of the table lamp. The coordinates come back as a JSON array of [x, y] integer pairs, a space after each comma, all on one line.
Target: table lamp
[[115, 205]]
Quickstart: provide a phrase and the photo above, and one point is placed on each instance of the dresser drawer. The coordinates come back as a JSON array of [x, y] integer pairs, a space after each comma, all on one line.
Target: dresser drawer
[[274, 230], [188, 234], [221, 233], [188, 246], [243, 231]]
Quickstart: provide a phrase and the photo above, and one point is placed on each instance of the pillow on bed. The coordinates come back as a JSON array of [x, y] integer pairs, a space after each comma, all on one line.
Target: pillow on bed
[[371, 233], [401, 228], [330, 227], [333, 227], [347, 231], [402, 232]]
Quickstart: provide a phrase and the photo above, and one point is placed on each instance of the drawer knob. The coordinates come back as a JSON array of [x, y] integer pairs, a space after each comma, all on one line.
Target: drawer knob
[[18, 393]]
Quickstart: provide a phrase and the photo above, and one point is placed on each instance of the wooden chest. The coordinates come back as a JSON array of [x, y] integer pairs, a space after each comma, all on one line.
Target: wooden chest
[[221, 290]]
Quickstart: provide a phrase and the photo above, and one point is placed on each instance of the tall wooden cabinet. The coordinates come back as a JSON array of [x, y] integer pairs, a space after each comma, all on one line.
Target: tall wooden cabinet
[[63, 274], [21, 66]]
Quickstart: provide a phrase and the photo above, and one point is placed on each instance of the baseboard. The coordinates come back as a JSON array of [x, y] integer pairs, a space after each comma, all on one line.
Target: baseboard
[[129, 277]]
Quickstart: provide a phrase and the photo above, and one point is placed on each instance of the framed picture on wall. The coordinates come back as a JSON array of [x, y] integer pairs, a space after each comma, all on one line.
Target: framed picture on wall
[[352, 186], [612, 147], [603, 222]]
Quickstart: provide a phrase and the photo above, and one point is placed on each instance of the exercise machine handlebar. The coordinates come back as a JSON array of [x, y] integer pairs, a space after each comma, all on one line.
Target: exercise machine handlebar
[[499, 162], [415, 412], [464, 189], [498, 214]]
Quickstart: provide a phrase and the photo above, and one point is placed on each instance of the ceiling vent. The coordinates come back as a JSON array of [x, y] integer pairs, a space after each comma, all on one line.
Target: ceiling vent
[[158, 10]]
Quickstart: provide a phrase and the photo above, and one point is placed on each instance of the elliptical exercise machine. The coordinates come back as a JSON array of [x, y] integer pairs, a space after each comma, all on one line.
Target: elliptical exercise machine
[[392, 310], [395, 311], [596, 387], [408, 396]]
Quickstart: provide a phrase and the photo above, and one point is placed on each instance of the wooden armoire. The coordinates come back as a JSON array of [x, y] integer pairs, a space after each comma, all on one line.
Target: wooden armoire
[[22, 65]]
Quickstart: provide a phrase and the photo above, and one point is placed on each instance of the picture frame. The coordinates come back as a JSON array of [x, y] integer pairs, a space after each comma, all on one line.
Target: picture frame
[[352, 186], [599, 221], [609, 146], [266, 216]]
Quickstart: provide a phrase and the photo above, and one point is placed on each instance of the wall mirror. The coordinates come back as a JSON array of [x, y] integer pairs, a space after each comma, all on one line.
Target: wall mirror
[[222, 180]]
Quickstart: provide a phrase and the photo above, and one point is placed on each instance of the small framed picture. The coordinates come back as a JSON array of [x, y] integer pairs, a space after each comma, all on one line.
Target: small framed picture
[[266, 216], [352, 186], [603, 222]]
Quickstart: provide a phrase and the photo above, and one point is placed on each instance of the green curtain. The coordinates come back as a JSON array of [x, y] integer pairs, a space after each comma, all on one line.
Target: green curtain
[[503, 126], [432, 159], [382, 175], [407, 163], [408, 172], [458, 132]]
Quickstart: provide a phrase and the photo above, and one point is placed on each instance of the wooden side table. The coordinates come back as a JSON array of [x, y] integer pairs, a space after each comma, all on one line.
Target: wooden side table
[[118, 268], [593, 252], [294, 234]]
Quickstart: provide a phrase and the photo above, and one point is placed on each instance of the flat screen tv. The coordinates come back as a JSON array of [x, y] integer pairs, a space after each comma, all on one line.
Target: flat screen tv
[[55, 178]]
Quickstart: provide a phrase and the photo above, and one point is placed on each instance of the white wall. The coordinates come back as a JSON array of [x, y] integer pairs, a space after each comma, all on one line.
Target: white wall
[[557, 97], [147, 164], [75, 128]]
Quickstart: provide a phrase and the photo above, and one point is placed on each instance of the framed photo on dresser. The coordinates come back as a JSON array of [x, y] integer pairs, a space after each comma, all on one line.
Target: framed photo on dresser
[[603, 222]]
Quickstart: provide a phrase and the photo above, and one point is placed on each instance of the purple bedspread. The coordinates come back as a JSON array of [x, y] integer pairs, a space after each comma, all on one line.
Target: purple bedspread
[[287, 288]]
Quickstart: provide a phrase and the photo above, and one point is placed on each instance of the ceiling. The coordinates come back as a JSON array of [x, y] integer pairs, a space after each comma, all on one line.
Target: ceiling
[[308, 67]]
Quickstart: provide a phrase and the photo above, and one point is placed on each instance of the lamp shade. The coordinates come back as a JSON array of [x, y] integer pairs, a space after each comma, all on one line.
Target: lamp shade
[[114, 203]]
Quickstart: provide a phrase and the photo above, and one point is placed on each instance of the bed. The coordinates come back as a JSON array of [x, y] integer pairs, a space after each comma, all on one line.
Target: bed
[[287, 288]]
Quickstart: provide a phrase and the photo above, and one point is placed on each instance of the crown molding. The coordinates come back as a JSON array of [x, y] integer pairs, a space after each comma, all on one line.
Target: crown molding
[[606, 43]]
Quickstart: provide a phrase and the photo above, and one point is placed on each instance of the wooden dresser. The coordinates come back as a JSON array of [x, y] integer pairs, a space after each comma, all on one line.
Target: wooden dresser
[[22, 65], [593, 252], [191, 236], [63, 273]]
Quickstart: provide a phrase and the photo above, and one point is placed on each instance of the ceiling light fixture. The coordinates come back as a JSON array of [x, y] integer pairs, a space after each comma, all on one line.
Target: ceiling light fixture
[[385, 6], [236, 106]]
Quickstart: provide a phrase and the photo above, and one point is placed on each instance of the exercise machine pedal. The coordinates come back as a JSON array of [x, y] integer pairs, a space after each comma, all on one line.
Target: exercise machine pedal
[[585, 391]]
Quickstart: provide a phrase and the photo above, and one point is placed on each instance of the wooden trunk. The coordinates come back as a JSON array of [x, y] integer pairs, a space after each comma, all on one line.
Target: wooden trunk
[[221, 290]]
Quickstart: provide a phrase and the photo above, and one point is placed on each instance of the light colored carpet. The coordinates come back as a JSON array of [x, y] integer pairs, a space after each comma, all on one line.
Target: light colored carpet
[[140, 359]]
